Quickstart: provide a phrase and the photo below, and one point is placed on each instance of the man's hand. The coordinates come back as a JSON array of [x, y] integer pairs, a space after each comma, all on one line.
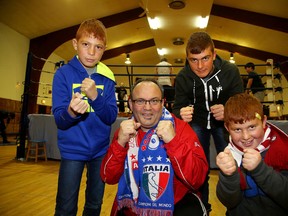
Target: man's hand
[[88, 87], [77, 105], [165, 130], [128, 129], [218, 111], [226, 162], [186, 113]]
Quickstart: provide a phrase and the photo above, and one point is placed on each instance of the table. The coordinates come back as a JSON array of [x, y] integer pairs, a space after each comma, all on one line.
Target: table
[[42, 126], [115, 126], [282, 124]]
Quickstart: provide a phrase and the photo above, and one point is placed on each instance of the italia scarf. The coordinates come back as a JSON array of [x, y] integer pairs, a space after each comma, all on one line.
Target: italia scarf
[[146, 185]]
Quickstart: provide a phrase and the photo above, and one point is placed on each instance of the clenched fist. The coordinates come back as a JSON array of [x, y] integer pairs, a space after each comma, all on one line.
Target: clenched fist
[[128, 129], [225, 161]]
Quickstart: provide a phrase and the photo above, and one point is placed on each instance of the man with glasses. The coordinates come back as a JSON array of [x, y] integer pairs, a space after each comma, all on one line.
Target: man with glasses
[[202, 88], [155, 158]]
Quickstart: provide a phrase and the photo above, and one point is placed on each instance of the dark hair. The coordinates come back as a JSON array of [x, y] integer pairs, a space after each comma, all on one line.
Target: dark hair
[[250, 64], [198, 42], [163, 59], [146, 80]]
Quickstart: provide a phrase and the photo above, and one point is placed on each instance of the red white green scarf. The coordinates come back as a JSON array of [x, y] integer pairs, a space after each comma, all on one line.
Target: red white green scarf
[[275, 146]]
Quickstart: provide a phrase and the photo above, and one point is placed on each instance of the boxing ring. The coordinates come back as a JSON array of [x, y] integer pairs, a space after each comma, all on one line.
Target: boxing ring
[[40, 91]]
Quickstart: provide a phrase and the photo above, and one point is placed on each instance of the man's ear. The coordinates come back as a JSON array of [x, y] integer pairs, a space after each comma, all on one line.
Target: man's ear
[[214, 55], [226, 126], [130, 104]]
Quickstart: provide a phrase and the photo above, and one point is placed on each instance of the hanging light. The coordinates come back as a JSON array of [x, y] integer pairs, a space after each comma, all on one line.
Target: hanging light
[[231, 60], [128, 59]]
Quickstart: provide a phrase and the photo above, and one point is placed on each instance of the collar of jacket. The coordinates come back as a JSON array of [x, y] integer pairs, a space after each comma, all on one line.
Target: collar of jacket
[[103, 70]]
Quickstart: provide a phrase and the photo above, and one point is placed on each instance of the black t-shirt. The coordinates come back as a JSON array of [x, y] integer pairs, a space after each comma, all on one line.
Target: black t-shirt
[[257, 84]]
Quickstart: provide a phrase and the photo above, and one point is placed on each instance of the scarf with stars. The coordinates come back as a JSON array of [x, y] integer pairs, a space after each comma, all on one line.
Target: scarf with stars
[[146, 185]]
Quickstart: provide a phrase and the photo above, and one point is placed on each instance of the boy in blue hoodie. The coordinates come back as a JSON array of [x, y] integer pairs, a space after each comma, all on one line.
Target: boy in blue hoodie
[[84, 107]]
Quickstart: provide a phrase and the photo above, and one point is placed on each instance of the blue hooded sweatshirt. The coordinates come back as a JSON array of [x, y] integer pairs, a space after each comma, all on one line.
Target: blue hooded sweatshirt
[[86, 136]]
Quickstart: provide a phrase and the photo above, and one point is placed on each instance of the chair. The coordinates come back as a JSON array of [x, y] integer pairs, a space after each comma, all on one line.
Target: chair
[[36, 149], [36, 146]]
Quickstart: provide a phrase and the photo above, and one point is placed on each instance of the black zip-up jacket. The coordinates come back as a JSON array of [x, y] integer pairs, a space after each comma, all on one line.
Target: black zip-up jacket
[[224, 82]]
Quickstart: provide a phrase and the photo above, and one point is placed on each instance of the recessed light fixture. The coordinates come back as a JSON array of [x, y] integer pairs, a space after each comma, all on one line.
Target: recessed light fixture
[[179, 61], [176, 4], [178, 41]]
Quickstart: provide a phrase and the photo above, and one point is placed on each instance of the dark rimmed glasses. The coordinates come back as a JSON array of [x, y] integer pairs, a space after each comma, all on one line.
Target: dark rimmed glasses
[[142, 102]]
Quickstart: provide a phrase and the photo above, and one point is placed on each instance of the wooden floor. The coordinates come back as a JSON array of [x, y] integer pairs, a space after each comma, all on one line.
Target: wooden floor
[[29, 188]]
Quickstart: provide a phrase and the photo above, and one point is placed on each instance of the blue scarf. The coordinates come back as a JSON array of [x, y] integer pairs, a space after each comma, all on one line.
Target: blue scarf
[[146, 185]]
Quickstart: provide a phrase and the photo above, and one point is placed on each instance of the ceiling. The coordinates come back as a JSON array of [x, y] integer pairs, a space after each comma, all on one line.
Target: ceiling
[[254, 30]]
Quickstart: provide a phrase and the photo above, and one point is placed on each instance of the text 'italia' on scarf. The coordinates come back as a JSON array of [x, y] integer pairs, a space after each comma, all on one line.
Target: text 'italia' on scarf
[[146, 185]]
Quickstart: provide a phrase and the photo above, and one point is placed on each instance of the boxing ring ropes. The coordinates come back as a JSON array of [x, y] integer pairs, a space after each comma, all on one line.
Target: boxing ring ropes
[[29, 84]]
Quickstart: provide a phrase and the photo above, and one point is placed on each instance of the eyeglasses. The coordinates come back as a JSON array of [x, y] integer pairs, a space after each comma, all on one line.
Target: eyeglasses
[[203, 60], [142, 102]]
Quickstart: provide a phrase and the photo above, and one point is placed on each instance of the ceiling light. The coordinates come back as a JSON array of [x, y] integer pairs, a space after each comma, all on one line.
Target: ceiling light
[[178, 41], [231, 60], [202, 22], [128, 59], [178, 61], [154, 23], [176, 4], [161, 52]]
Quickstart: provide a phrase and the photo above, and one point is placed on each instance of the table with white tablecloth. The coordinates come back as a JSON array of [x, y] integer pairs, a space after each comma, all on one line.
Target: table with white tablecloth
[[282, 124], [43, 127]]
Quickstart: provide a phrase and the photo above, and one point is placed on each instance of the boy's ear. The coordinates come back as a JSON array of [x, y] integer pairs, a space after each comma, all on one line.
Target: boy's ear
[[264, 121], [74, 43]]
